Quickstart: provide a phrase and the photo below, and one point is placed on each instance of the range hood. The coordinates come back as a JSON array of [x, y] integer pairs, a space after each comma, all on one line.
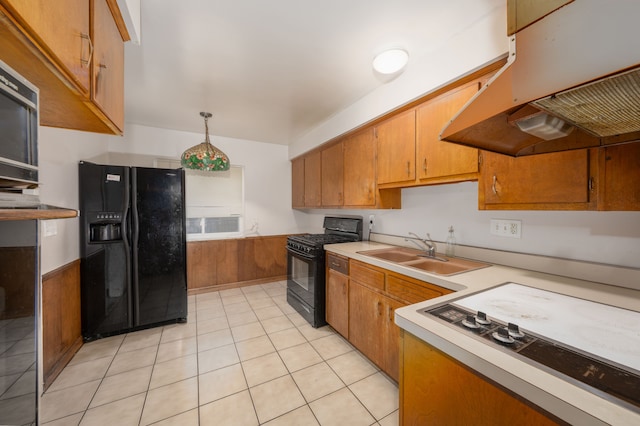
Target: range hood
[[572, 80]]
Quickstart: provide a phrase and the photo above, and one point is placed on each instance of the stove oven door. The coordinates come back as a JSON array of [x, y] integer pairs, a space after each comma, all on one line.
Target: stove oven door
[[302, 275], [305, 286]]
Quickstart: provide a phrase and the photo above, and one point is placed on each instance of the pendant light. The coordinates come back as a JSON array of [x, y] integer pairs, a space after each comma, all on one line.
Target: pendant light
[[205, 156]]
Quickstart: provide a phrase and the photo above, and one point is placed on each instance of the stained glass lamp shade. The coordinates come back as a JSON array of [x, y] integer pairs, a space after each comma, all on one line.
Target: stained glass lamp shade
[[205, 156]]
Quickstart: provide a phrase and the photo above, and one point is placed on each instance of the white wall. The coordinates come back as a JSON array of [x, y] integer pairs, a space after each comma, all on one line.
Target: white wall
[[473, 47], [267, 172], [602, 237], [60, 151]]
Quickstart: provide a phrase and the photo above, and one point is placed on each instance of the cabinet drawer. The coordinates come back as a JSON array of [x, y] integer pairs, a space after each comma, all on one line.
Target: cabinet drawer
[[412, 291], [338, 263], [367, 275]]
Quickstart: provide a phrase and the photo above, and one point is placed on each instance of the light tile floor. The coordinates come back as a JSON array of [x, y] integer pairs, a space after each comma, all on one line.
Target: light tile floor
[[244, 357]]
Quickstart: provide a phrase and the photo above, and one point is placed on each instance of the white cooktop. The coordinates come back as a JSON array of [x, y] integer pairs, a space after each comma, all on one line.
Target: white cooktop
[[606, 331]]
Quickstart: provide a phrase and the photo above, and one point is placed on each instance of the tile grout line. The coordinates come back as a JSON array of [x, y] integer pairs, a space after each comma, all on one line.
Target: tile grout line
[[273, 301]]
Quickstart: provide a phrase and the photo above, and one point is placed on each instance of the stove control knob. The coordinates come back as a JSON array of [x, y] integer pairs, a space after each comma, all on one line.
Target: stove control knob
[[502, 335], [481, 318], [514, 331], [470, 322]]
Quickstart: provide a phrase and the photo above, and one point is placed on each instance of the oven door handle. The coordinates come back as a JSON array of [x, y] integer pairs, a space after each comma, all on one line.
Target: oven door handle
[[302, 255]]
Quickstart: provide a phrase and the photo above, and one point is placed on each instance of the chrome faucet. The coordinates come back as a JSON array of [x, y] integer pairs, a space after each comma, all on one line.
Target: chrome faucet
[[429, 246]]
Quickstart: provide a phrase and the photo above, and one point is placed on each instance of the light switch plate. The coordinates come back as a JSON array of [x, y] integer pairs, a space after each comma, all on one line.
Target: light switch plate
[[506, 228], [50, 228]]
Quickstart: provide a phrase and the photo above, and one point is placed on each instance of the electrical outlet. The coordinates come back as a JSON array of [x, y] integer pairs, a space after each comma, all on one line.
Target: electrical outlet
[[371, 218], [506, 228]]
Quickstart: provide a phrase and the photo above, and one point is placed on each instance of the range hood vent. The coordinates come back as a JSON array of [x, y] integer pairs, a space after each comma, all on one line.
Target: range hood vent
[[572, 80], [607, 107]]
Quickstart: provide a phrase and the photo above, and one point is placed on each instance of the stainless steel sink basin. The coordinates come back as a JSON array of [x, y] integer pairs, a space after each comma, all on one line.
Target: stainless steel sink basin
[[415, 259]]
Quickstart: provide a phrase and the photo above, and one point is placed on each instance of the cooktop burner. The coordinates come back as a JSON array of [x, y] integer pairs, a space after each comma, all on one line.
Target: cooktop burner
[[321, 239], [588, 343]]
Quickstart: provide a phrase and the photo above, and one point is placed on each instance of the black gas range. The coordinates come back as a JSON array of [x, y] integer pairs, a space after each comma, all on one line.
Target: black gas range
[[306, 265]]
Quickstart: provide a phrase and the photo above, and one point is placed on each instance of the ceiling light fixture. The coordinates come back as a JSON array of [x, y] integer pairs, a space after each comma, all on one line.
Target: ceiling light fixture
[[205, 156], [390, 61]]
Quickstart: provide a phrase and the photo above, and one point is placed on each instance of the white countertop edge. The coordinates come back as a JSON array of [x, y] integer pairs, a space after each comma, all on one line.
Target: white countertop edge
[[557, 396]]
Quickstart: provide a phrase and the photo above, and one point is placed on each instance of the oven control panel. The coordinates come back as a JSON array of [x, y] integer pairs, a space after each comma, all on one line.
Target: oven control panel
[[620, 385]]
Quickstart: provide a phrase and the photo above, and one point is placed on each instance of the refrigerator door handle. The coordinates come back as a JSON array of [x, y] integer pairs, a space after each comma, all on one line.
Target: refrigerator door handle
[[135, 234], [126, 239]]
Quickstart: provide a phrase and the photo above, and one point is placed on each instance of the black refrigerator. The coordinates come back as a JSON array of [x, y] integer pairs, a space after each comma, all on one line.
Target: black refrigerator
[[132, 248]]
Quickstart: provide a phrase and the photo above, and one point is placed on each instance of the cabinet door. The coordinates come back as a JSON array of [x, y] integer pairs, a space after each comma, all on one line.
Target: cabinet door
[[391, 334], [437, 390], [312, 180], [560, 180], [201, 264], [620, 177], [108, 64], [337, 304], [435, 158], [297, 182], [396, 143], [366, 325], [360, 169], [63, 26], [332, 161]]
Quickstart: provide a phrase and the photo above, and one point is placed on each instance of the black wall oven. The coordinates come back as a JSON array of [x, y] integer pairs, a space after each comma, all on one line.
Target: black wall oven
[[19, 131], [306, 262]]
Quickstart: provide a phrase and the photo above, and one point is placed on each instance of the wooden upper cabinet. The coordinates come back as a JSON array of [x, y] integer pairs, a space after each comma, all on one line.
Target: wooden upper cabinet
[[63, 28], [555, 181], [306, 174], [313, 179], [332, 175], [297, 182], [360, 169], [619, 181], [73, 51], [437, 160], [108, 64], [396, 145]]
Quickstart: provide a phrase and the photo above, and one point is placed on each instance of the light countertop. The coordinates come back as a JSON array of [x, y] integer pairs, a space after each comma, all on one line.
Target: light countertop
[[559, 397]]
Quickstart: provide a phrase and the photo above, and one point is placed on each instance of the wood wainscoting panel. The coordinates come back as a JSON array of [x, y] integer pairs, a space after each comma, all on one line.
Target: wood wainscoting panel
[[17, 272], [221, 264], [61, 333]]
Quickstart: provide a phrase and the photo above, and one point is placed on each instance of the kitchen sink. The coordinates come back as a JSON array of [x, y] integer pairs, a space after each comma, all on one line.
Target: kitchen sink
[[441, 265], [393, 255], [451, 267]]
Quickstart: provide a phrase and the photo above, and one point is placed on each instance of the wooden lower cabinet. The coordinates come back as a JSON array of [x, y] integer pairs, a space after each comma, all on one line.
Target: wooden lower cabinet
[[61, 325], [337, 297], [435, 389], [374, 295], [215, 263], [371, 327]]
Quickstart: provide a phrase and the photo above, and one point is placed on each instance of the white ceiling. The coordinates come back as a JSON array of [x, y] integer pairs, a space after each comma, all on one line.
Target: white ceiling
[[271, 71]]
